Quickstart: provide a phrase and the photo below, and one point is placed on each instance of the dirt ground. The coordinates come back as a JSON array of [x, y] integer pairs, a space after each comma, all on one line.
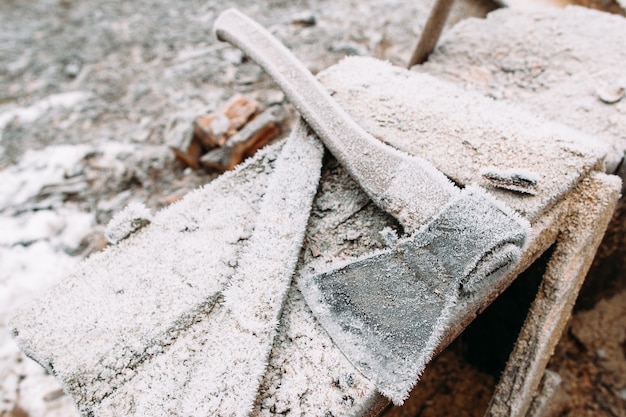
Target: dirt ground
[[93, 93]]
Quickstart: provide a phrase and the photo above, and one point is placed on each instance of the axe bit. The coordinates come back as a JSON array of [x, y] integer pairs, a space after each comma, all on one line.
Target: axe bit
[[387, 311]]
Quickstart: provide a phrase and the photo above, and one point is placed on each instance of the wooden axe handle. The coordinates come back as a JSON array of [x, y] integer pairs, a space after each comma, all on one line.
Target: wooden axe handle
[[407, 187]]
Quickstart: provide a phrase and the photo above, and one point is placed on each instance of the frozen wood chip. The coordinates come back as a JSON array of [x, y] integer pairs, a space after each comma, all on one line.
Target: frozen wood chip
[[515, 179], [305, 18], [223, 139], [244, 149], [191, 157], [239, 110], [258, 132], [211, 130], [215, 159]]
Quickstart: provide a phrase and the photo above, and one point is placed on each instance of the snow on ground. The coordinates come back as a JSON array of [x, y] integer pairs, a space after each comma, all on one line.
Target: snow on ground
[[37, 240], [52, 203]]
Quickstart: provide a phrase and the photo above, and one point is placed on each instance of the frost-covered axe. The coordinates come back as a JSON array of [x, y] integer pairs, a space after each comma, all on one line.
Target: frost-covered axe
[[387, 311]]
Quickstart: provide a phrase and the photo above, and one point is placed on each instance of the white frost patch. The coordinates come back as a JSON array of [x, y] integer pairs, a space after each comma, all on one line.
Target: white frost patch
[[45, 398], [25, 382], [33, 251], [64, 228], [55, 165], [132, 218], [29, 227], [36, 110], [27, 270], [33, 257], [390, 236], [36, 169]]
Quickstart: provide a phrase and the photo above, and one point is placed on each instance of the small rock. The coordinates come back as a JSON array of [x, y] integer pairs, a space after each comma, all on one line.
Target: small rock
[[353, 235], [390, 237], [610, 94], [273, 97], [54, 395], [72, 69], [349, 48], [232, 56], [248, 74], [315, 252], [305, 18]]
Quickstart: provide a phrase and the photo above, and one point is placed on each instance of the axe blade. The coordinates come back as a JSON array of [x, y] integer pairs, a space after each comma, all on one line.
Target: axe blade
[[381, 312], [388, 311]]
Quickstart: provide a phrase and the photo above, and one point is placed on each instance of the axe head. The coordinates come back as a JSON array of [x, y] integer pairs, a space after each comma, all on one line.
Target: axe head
[[388, 311]]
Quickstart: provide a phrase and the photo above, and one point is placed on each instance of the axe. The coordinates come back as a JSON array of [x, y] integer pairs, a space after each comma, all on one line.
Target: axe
[[386, 312]]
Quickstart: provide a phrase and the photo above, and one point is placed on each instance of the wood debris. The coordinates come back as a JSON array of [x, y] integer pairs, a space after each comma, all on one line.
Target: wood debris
[[224, 138], [518, 180]]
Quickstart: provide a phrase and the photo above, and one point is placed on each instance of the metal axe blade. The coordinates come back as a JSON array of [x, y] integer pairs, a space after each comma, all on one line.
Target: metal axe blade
[[387, 312]]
